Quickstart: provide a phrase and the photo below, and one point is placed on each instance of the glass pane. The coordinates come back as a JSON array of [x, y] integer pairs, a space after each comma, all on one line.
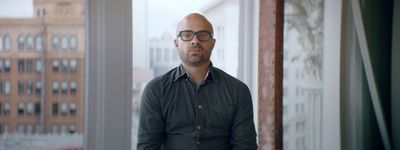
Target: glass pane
[[302, 79], [154, 52], [37, 109]]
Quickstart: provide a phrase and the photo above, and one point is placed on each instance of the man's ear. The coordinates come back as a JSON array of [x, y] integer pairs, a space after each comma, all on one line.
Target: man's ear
[[176, 43]]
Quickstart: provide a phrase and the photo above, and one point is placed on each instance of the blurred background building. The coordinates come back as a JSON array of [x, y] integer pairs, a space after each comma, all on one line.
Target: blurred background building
[[42, 69]]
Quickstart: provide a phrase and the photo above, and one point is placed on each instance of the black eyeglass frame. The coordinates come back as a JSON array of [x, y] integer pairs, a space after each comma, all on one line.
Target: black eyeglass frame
[[196, 34]]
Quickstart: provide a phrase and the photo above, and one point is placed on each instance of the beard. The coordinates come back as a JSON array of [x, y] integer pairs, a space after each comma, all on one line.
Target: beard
[[194, 56]]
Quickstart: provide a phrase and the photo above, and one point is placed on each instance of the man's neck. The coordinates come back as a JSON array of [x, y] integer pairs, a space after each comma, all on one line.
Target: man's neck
[[198, 73]]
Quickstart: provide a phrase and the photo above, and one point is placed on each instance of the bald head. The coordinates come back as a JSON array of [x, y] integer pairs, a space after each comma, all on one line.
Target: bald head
[[194, 20]]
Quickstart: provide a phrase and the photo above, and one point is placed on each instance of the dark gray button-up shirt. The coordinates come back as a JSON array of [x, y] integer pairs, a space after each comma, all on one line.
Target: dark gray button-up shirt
[[178, 114]]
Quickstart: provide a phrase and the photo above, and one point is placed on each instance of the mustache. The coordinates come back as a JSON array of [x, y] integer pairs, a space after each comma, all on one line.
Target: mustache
[[196, 46]]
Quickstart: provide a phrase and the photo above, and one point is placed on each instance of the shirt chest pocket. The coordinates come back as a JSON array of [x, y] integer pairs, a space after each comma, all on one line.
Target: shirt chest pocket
[[221, 116]]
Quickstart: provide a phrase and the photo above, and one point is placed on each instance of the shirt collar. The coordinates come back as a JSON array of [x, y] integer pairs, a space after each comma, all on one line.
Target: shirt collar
[[181, 72]]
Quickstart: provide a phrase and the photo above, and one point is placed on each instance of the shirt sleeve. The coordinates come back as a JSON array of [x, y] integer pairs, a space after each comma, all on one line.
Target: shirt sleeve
[[151, 123], [243, 130]]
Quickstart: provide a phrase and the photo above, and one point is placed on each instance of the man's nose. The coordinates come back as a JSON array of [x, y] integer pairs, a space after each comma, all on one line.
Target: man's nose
[[195, 40]]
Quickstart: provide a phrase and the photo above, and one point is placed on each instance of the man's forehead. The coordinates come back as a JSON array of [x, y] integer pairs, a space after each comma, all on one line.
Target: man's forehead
[[194, 22]]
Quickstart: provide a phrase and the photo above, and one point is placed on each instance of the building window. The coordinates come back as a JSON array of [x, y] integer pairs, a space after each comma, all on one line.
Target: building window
[[29, 108], [73, 42], [6, 129], [7, 42], [21, 87], [21, 107], [64, 87], [7, 65], [38, 88], [7, 87], [72, 128], [72, 87], [39, 43], [64, 67], [39, 65], [37, 108], [1, 65], [64, 43], [29, 64], [29, 88], [1, 88], [21, 42], [21, 128], [54, 129], [56, 65], [1, 43], [6, 109], [72, 109], [29, 42], [64, 109], [29, 129], [55, 42], [38, 129], [21, 65], [63, 129], [73, 65], [55, 87], [55, 108], [1, 111]]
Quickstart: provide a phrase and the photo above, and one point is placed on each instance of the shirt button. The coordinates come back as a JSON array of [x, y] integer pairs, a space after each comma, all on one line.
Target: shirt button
[[199, 127], [199, 107], [198, 142]]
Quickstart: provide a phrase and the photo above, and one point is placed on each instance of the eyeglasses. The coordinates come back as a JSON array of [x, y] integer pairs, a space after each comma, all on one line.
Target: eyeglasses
[[201, 35]]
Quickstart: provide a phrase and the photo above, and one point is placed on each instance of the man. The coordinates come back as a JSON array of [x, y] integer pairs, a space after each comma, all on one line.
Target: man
[[195, 105]]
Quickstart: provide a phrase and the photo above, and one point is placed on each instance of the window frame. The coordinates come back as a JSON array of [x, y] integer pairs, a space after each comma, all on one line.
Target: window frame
[[107, 93]]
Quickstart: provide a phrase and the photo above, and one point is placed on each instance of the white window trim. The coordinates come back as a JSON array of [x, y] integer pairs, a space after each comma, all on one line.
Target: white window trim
[[330, 139], [108, 77]]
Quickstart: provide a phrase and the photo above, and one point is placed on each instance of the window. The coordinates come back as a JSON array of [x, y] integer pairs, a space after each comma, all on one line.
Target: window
[[1, 88], [38, 88], [1, 65], [64, 87], [29, 88], [37, 108], [55, 43], [39, 65], [7, 65], [73, 65], [21, 107], [64, 65], [63, 129], [7, 87], [21, 42], [21, 128], [55, 87], [38, 129], [39, 43], [72, 128], [74, 42], [29, 42], [56, 65], [29, 64], [166, 55], [55, 108], [73, 87], [21, 87], [64, 43], [29, 129], [54, 129], [29, 108], [7, 43], [1, 43], [7, 107], [21, 65], [72, 109], [64, 108]]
